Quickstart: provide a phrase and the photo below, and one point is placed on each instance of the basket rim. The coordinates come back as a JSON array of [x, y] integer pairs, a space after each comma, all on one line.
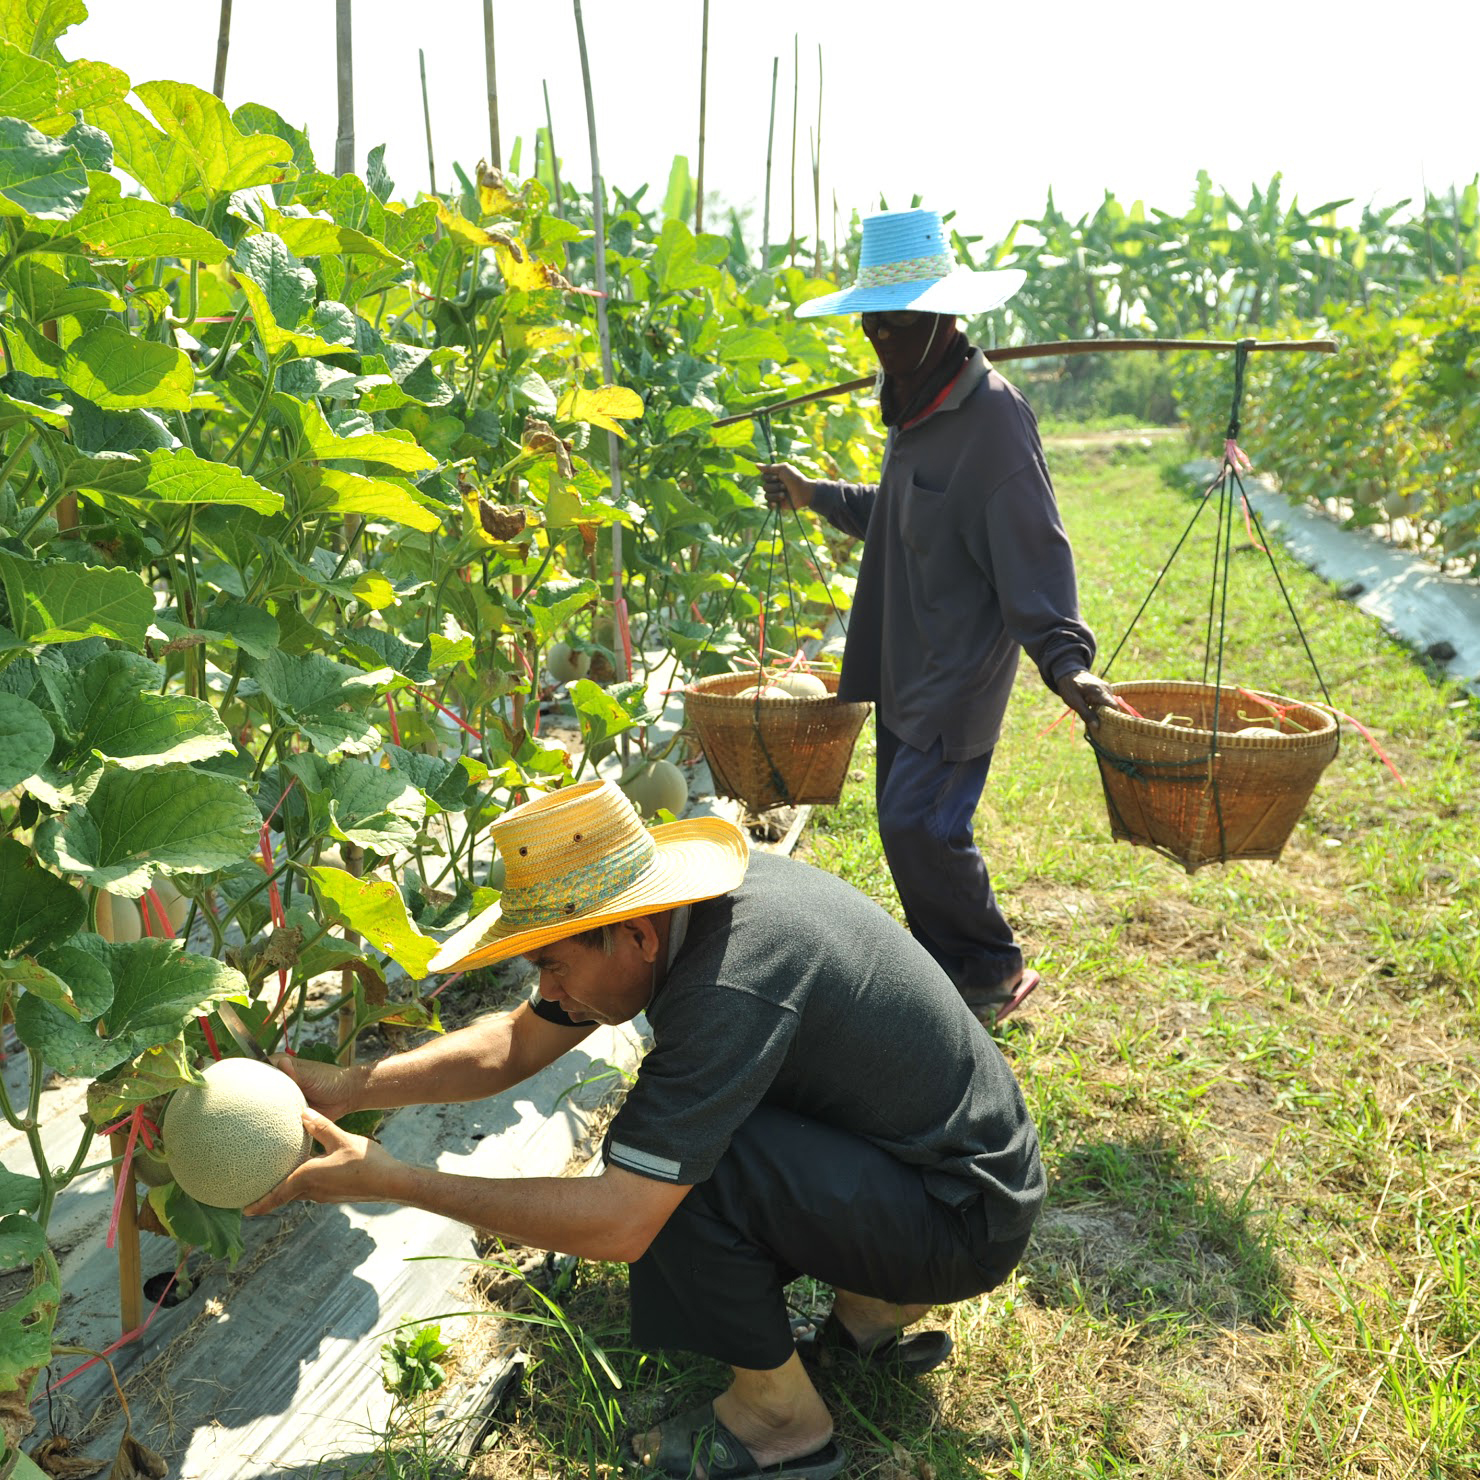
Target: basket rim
[[1130, 724], [700, 688]]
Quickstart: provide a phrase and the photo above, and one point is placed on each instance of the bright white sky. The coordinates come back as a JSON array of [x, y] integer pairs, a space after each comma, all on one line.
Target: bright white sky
[[973, 106]]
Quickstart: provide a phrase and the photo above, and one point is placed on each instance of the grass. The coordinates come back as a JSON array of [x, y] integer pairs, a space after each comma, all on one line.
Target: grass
[[1256, 1088]]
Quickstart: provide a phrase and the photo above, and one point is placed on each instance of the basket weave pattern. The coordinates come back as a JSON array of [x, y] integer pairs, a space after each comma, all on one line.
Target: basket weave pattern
[[1166, 788], [774, 752]]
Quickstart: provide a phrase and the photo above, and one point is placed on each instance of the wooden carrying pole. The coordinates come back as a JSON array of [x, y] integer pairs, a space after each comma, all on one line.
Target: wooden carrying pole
[[1056, 348]]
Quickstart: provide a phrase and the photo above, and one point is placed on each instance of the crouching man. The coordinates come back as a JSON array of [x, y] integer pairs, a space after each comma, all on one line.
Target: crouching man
[[818, 1100]]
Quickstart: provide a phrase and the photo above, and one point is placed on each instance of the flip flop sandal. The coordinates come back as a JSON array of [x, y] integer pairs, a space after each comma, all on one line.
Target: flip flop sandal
[[908, 1355], [1020, 993], [697, 1439]]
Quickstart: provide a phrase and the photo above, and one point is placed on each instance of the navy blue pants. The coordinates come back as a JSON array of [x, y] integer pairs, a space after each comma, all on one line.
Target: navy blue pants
[[792, 1196], [925, 807]]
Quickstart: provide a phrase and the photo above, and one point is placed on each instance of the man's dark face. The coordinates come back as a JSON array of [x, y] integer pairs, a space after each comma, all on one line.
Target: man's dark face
[[901, 339]]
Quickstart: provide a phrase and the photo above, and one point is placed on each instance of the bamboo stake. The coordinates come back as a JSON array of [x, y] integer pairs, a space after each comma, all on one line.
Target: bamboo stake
[[223, 44], [796, 87], [603, 329], [1056, 348], [495, 158], [344, 69], [770, 139], [817, 171], [554, 158], [703, 93], [426, 114], [130, 1261]]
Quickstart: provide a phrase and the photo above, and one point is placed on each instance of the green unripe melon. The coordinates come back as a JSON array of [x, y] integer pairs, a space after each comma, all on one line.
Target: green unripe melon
[[152, 1169], [565, 664], [657, 785], [233, 1138]]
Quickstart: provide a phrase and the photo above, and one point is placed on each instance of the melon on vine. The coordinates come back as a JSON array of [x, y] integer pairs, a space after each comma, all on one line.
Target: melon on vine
[[565, 664], [232, 1138], [657, 786]]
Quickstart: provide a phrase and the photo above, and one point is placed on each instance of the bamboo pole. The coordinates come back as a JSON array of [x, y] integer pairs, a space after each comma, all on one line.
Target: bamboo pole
[[817, 171], [344, 71], [554, 158], [495, 157], [223, 45], [1056, 348], [770, 140], [703, 95], [796, 88], [603, 329], [130, 1261], [426, 115]]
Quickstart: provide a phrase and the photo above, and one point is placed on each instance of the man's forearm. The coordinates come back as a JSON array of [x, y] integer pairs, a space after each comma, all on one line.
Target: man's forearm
[[469, 1064], [567, 1214]]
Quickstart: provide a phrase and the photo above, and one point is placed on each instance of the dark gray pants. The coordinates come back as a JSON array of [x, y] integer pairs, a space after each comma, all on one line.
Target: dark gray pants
[[925, 806], [792, 1196]]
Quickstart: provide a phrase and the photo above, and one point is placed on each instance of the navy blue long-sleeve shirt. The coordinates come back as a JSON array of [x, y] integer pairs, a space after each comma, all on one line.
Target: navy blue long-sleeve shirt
[[965, 561]]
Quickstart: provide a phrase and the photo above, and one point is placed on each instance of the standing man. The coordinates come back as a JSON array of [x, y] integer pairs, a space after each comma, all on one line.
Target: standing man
[[816, 1100], [965, 562]]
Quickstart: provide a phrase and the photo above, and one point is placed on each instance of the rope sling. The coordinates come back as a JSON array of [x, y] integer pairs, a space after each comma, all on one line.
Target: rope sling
[[1198, 766]]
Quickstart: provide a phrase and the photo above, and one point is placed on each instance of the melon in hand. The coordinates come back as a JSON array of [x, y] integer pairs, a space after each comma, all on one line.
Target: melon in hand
[[234, 1137]]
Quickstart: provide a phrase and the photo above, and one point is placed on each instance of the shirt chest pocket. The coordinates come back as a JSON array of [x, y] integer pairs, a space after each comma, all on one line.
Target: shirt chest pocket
[[922, 517]]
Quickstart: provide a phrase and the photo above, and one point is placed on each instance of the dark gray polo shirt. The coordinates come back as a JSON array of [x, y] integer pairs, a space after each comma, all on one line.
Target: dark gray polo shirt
[[797, 991], [965, 561]]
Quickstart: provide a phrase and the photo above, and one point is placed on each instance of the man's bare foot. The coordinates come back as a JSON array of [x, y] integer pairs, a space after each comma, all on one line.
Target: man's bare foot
[[869, 1321]]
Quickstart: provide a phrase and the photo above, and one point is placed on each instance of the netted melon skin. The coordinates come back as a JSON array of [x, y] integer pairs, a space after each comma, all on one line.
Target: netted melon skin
[[233, 1138]]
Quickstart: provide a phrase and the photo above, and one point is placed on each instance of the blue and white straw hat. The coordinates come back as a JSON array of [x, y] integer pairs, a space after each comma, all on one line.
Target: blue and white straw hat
[[906, 262]]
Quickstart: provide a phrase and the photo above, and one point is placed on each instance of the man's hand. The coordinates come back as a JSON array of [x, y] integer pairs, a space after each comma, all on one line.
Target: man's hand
[[351, 1169], [328, 1088], [1084, 693], [783, 484]]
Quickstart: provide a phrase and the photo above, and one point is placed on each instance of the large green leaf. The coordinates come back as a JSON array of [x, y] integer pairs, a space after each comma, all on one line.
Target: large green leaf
[[85, 85], [113, 707], [371, 498], [39, 177], [37, 909], [449, 785], [139, 228], [26, 1324], [25, 740], [28, 85], [321, 698], [216, 1231], [555, 602], [289, 286], [223, 157], [275, 337], [18, 1193], [313, 236], [377, 809], [119, 370], [374, 909], [158, 987], [61, 602], [170, 819], [160, 164], [318, 440], [178, 476], [34, 25]]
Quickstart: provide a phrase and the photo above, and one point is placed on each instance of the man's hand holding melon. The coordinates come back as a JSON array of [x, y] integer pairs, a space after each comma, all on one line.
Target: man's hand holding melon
[[351, 1169]]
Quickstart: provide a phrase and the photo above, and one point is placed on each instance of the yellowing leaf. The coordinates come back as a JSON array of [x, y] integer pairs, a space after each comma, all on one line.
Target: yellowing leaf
[[375, 591], [600, 406]]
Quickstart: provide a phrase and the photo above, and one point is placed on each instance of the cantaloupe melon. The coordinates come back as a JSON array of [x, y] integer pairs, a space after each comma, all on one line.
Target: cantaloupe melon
[[657, 785], [564, 664], [233, 1138], [763, 691], [800, 684]]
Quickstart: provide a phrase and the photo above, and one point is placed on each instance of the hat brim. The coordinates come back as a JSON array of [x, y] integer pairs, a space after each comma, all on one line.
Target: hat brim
[[699, 858], [964, 292]]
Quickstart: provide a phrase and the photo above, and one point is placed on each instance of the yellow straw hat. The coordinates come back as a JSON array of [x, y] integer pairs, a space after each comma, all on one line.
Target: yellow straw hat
[[580, 858]]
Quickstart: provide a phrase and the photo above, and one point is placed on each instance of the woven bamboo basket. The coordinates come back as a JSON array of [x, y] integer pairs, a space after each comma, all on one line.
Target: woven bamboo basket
[[774, 752], [1166, 788]]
